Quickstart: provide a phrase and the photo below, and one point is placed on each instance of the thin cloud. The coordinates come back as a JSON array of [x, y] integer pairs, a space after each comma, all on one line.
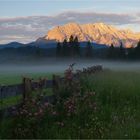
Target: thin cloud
[[33, 27]]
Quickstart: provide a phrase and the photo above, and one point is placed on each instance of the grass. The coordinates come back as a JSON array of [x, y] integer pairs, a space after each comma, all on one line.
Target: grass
[[118, 93], [11, 101], [11, 79], [117, 115]]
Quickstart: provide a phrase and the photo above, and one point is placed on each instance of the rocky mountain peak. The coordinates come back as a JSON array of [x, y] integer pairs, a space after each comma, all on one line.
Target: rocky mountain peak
[[98, 32]]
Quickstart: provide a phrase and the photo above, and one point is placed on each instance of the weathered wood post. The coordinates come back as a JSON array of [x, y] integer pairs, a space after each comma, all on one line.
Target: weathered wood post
[[42, 84], [56, 85], [27, 88], [1, 97]]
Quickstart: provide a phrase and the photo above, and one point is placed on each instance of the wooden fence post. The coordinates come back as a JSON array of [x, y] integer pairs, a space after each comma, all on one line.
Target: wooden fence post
[[42, 84], [27, 88], [56, 84], [1, 97]]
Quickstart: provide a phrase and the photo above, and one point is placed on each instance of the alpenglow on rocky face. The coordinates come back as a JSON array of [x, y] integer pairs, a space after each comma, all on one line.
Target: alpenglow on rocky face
[[97, 32]]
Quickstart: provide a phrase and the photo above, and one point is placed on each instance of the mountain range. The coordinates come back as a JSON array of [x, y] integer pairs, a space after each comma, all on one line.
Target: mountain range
[[99, 33], [11, 45]]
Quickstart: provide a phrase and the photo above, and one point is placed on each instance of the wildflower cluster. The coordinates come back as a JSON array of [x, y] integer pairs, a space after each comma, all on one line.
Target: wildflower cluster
[[70, 106], [79, 105], [70, 85], [69, 73], [29, 117], [89, 70]]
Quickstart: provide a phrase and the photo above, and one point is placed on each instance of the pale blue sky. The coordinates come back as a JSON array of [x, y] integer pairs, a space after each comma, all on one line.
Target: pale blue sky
[[14, 8], [26, 20]]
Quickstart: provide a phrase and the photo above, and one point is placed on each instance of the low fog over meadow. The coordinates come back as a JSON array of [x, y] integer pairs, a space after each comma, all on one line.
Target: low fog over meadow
[[60, 65]]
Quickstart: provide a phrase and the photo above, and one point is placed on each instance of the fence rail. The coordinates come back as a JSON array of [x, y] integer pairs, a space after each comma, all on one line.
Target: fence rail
[[14, 90], [19, 89], [29, 85]]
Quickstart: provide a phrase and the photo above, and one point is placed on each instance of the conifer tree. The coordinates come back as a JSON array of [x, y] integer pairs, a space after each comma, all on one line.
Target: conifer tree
[[58, 49], [111, 52], [88, 49], [76, 46], [65, 47], [137, 50], [122, 51], [71, 45]]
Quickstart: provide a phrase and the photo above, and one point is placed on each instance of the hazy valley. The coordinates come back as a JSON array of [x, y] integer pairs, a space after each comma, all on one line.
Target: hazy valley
[[69, 69]]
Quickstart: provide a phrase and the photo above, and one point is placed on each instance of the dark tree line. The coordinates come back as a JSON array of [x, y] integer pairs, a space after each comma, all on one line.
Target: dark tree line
[[89, 51], [124, 53], [68, 48], [117, 52], [134, 53], [71, 48]]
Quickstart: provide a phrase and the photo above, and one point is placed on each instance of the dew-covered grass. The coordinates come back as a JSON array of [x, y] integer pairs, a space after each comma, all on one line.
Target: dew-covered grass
[[117, 98]]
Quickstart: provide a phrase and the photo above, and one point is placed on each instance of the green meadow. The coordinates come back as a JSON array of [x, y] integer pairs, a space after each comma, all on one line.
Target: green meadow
[[117, 95], [11, 79]]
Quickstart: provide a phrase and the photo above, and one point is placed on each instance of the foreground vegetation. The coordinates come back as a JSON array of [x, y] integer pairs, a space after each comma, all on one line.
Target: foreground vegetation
[[101, 105], [11, 101]]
